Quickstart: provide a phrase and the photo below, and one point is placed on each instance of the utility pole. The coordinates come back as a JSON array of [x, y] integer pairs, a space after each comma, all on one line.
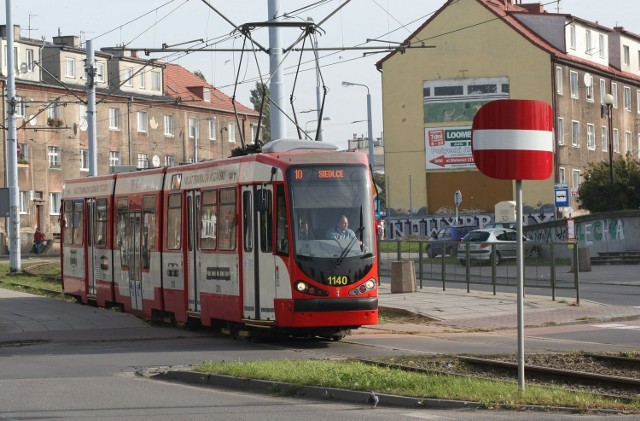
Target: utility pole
[[12, 149], [276, 88], [90, 71]]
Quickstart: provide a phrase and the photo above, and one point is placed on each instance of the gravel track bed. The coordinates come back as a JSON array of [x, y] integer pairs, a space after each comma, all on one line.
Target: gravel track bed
[[565, 361]]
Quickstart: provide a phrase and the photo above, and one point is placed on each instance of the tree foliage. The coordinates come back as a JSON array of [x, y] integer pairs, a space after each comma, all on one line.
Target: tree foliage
[[261, 92], [380, 181], [200, 75], [597, 194]]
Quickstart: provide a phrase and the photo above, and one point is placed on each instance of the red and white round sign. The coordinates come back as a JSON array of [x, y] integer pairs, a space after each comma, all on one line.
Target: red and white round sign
[[513, 139]]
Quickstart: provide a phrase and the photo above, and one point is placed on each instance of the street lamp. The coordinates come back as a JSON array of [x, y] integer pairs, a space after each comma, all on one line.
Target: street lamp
[[370, 134], [608, 103], [311, 121]]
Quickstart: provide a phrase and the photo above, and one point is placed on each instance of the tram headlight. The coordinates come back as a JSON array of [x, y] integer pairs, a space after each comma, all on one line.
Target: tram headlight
[[364, 288], [304, 288], [301, 287]]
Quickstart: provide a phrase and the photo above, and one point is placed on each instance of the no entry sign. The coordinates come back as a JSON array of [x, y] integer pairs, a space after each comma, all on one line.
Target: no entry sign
[[513, 139]]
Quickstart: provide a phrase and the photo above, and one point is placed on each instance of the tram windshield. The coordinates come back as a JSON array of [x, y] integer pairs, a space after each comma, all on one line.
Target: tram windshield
[[331, 211]]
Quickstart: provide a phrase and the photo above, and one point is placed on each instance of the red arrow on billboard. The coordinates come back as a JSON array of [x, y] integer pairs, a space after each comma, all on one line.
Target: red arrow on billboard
[[442, 160], [513, 139]]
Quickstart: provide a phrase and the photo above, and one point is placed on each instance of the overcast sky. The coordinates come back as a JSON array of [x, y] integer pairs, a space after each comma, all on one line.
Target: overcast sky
[[152, 23]]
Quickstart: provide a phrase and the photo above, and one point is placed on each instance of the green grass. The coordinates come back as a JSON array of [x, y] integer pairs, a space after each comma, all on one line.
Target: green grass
[[37, 279], [358, 376]]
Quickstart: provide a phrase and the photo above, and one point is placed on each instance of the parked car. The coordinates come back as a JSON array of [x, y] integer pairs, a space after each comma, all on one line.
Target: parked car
[[447, 238], [482, 242], [510, 225]]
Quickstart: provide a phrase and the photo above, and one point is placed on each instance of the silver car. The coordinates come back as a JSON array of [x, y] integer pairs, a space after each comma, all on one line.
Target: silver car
[[482, 242]]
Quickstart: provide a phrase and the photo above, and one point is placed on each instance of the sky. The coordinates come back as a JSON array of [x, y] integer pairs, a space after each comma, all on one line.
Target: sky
[[151, 23]]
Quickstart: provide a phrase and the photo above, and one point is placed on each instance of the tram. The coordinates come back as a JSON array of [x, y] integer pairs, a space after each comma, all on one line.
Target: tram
[[239, 243]]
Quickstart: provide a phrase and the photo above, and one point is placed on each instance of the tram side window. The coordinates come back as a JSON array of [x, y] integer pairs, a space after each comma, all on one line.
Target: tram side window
[[148, 230], [101, 222], [68, 226], [208, 228], [174, 221], [247, 220], [282, 246], [78, 219], [122, 229], [227, 219], [265, 222]]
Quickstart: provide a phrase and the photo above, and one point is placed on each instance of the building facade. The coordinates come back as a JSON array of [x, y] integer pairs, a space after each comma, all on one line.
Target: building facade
[[148, 114], [504, 49]]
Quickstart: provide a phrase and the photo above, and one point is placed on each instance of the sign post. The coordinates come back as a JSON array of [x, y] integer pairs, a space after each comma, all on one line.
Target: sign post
[[513, 140], [457, 200]]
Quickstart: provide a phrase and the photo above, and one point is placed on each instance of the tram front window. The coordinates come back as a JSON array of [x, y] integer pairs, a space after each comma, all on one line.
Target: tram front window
[[324, 198]]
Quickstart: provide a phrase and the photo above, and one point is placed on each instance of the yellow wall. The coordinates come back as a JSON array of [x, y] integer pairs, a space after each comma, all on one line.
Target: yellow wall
[[469, 43]]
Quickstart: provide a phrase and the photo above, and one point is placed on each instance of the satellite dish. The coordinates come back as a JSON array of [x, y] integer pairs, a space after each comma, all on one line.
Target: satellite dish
[[155, 161], [83, 125], [33, 120], [587, 78], [24, 68]]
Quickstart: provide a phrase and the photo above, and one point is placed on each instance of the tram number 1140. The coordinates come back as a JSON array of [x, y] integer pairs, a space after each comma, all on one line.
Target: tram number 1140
[[338, 280]]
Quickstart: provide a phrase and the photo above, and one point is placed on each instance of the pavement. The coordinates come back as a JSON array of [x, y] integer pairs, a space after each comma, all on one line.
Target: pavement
[[26, 317]]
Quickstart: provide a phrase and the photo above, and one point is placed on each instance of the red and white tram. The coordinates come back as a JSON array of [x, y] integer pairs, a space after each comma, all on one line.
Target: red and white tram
[[239, 243]]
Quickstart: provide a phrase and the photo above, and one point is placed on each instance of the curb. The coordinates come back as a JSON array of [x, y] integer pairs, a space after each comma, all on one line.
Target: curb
[[308, 392]]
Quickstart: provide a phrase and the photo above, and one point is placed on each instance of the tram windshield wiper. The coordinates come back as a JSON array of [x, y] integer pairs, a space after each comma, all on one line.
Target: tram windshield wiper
[[349, 247]]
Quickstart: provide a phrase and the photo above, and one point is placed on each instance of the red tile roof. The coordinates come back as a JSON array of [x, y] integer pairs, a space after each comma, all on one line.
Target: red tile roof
[[181, 83]]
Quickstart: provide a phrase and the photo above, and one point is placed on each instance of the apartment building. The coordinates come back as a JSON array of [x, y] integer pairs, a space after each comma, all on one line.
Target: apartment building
[[504, 49], [148, 113]]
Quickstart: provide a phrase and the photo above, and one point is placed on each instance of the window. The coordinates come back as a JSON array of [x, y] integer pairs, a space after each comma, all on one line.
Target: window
[[626, 98], [143, 160], [561, 175], [54, 157], [614, 92], [227, 218], [21, 109], [169, 161], [232, 132], [575, 176], [101, 222], [572, 37], [601, 45], [560, 133], [206, 95], [53, 111], [84, 160], [209, 230], [587, 42], [168, 125], [143, 122], [30, 59], [82, 113], [626, 56], [604, 139], [128, 76], [559, 85], [193, 128], [54, 203], [114, 158], [174, 221], [638, 101], [603, 90], [575, 134], [114, 119], [24, 202], [616, 141], [142, 77], [23, 152], [591, 137], [155, 81], [70, 67], [99, 72], [628, 147], [254, 132], [590, 90], [573, 84], [213, 128]]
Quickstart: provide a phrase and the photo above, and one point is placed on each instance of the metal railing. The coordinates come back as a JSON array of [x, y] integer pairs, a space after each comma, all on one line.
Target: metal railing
[[547, 266]]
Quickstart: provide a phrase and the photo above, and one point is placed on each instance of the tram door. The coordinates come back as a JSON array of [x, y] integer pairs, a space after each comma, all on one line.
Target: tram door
[[193, 255], [135, 259], [258, 262], [94, 266]]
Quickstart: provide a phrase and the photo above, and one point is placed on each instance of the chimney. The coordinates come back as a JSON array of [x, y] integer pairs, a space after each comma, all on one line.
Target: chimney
[[533, 7], [67, 40], [16, 31]]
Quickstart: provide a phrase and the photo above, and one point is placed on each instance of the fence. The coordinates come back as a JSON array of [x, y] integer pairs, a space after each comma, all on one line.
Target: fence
[[542, 268]]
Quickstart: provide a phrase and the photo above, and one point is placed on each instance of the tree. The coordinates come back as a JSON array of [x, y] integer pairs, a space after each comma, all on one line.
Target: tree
[[200, 75], [594, 191], [257, 95], [380, 181]]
